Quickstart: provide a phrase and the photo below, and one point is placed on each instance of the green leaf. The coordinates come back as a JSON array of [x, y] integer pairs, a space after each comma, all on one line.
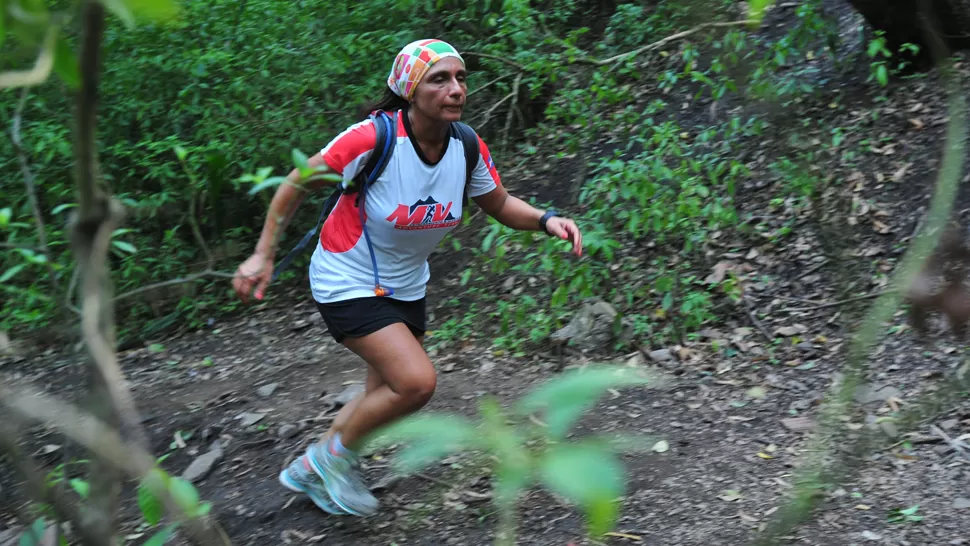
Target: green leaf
[[300, 159], [34, 536], [161, 537], [62, 207], [3, 26], [81, 487], [66, 64], [268, 183], [149, 504], [181, 153], [565, 398], [5, 214], [431, 436], [589, 476], [10, 273], [120, 9], [185, 495], [882, 74], [149, 10], [125, 247], [756, 11]]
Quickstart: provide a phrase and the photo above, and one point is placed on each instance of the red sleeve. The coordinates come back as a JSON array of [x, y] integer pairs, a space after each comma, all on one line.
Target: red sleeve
[[487, 159], [350, 145]]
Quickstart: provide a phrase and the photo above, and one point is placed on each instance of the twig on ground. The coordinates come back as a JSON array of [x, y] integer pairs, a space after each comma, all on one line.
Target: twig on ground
[[812, 269], [872, 296], [754, 320], [432, 479], [961, 448], [799, 300]]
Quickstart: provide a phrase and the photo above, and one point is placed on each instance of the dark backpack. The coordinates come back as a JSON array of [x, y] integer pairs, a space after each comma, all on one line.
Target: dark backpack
[[386, 127]]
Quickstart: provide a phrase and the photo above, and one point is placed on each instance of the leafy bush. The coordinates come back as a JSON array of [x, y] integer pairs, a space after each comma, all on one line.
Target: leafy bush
[[585, 471]]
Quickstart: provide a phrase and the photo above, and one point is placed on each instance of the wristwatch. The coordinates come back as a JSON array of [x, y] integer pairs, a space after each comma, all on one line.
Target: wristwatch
[[545, 218]]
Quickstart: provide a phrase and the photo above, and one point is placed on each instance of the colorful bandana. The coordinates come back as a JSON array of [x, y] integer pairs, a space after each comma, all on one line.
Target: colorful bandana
[[413, 62]]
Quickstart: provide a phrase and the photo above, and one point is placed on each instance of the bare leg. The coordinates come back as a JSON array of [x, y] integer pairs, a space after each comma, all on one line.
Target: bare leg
[[374, 381], [409, 380]]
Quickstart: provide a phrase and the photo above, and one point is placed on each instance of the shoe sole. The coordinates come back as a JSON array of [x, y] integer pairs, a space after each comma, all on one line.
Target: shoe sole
[[323, 475], [288, 483]]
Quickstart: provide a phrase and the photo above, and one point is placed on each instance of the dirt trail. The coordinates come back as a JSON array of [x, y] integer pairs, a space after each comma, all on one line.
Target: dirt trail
[[728, 466]]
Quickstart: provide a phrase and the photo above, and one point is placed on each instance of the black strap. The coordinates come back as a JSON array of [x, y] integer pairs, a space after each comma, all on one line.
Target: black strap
[[469, 141], [375, 161]]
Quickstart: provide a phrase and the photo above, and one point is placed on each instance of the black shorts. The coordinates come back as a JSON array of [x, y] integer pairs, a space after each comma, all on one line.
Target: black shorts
[[362, 316]]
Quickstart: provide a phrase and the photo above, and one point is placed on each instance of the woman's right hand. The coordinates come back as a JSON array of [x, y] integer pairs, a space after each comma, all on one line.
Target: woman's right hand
[[256, 271]]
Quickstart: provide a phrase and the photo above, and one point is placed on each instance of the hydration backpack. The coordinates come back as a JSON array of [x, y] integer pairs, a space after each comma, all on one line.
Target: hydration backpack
[[386, 128]]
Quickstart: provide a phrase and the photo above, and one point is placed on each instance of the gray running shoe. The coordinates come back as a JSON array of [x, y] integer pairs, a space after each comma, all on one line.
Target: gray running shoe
[[300, 477], [341, 476]]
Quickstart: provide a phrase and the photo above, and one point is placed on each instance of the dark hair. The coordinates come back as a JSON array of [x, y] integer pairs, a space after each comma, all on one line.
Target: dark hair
[[388, 101]]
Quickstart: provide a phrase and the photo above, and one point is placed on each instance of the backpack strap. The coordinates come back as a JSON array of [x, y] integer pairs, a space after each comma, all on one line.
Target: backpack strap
[[386, 140], [384, 126], [469, 140]]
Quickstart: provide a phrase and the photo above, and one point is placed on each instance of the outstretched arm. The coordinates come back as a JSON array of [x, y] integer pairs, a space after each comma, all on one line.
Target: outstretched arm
[[257, 271], [515, 213]]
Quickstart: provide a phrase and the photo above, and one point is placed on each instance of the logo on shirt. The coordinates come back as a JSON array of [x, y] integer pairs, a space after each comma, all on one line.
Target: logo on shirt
[[423, 214]]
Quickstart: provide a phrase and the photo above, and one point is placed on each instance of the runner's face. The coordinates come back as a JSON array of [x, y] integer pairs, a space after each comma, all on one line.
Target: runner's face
[[441, 93]]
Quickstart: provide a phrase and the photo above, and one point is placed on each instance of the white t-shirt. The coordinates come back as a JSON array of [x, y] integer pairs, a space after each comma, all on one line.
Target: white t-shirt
[[408, 210]]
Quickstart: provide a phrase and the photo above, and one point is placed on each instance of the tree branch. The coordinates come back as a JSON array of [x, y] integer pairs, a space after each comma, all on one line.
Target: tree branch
[[494, 58], [660, 43], [14, 246], [86, 112], [508, 118], [105, 442], [173, 282], [31, 187], [37, 486], [42, 66]]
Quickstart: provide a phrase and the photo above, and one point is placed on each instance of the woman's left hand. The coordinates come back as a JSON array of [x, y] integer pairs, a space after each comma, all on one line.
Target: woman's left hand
[[564, 228]]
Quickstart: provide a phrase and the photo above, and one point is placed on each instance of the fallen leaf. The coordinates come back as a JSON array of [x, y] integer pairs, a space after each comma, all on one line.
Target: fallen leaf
[[747, 518], [917, 123], [898, 175], [798, 424], [961, 503], [880, 227], [730, 495], [756, 392], [765, 455], [718, 273], [661, 447], [789, 331]]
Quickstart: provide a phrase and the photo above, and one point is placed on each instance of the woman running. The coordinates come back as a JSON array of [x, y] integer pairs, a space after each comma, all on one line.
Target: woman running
[[415, 202]]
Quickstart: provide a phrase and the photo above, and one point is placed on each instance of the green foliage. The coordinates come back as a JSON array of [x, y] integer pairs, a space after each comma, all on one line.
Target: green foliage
[[586, 471]]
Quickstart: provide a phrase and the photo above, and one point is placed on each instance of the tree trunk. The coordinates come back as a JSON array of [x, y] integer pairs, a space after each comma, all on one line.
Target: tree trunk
[[906, 21]]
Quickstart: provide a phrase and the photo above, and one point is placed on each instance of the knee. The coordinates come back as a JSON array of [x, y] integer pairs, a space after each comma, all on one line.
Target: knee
[[418, 390]]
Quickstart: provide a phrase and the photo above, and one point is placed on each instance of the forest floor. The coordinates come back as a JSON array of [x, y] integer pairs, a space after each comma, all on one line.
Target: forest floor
[[736, 416]]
